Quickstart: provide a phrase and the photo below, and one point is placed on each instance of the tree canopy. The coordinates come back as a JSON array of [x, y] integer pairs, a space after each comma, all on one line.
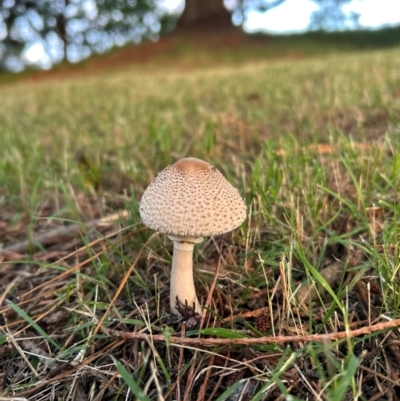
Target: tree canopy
[[72, 29], [44, 32]]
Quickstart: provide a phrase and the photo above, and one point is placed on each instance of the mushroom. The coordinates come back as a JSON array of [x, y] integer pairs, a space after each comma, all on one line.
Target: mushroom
[[189, 200]]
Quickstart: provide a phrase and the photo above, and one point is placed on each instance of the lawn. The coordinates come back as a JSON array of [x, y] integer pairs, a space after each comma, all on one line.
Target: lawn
[[301, 300]]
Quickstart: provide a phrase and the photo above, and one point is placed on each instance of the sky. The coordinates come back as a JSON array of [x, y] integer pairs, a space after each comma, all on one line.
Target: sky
[[294, 15]]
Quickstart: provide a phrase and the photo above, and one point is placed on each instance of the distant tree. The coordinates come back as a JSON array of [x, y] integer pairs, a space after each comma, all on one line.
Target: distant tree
[[213, 15], [332, 17], [53, 30], [72, 29], [23, 21], [206, 12]]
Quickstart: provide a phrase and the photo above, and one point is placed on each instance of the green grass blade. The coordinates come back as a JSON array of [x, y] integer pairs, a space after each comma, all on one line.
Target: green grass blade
[[133, 386], [26, 317], [346, 379], [229, 391]]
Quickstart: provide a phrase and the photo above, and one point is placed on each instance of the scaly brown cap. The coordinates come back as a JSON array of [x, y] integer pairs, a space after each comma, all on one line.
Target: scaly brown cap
[[191, 198]]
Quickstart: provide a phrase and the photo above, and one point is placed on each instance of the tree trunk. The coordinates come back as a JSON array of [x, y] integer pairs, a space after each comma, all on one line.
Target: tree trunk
[[62, 31], [62, 27], [205, 16]]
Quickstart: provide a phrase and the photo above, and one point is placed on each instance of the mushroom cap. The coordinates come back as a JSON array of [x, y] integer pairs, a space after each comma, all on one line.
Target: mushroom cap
[[191, 198]]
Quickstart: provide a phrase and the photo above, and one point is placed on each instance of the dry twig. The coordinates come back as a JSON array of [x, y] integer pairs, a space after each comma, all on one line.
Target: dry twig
[[264, 340]]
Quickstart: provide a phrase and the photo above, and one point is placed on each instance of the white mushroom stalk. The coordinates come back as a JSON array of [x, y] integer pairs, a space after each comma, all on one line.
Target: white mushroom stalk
[[182, 284], [188, 200]]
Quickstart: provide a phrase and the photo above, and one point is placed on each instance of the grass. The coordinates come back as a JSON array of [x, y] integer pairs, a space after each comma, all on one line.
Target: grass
[[312, 147]]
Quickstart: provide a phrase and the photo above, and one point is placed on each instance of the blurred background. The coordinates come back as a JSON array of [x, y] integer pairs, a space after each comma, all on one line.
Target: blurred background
[[42, 33]]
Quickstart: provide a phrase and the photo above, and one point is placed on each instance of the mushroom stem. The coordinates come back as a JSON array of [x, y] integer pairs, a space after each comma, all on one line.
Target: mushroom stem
[[182, 284]]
